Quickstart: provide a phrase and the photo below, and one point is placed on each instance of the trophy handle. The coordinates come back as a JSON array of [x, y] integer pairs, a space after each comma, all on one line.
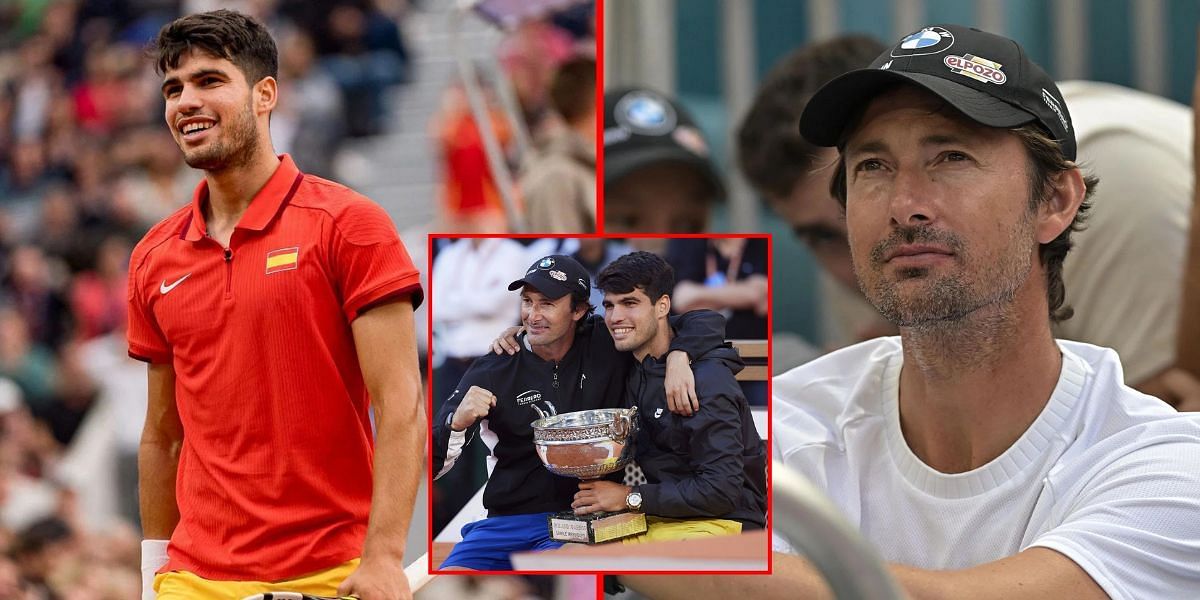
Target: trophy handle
[[625, 424]]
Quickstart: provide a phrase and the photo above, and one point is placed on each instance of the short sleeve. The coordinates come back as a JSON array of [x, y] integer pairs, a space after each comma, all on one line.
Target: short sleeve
[[146, 340], [1133, 528], [369, 261]]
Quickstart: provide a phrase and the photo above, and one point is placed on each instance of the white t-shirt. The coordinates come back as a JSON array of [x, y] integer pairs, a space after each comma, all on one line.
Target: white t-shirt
[[1105, 475], [470, 286]]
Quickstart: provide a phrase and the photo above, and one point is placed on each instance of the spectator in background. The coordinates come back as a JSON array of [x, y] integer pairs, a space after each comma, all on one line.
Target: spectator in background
[[728, 275], [658, 171], [39, 552], [469, 284], [365, 53], [559, 181], [310, 121], [471, 201], [593, 255], [529, 57]]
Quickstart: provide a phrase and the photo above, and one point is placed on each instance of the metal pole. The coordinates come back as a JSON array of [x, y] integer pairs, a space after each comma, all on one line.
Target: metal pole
[[813, 526], [495, 156], [739, 77]]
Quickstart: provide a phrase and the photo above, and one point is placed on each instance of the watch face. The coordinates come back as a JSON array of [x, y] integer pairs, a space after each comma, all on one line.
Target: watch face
[[635, 499]]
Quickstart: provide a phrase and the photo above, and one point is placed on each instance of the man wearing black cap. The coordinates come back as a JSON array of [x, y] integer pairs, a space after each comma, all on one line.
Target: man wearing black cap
[[658, 170], [981, 457], [567, 363]]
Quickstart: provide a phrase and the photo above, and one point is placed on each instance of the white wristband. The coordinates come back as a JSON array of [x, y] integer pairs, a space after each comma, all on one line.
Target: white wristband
[[154, 556]]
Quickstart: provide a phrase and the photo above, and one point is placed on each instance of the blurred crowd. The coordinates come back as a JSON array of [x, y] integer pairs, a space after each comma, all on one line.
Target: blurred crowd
[[86, 167], [538, 100]]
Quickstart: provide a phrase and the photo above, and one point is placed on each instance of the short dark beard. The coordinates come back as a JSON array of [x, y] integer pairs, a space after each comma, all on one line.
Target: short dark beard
[[242, 145]]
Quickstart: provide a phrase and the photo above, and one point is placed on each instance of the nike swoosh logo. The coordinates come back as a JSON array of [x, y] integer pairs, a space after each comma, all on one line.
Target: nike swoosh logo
[[164, 288]]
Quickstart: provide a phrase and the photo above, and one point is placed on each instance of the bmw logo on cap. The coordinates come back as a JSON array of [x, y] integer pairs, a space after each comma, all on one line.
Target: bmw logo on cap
[[546, 263], [645, 113], [930, 40]]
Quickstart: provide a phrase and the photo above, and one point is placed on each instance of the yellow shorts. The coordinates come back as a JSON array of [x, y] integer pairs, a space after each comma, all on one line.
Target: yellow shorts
[[183, 585], [660, 529]]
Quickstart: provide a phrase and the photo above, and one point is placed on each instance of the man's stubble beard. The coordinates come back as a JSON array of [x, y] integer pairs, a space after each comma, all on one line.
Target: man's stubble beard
[[234, 151], [948, 300]]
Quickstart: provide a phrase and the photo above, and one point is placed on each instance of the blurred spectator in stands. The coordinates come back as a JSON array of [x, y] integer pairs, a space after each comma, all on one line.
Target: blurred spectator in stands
[[309, 121], [75, 394], [594, 254], [529, 57], [558, 182], [728, 275], [31, 366], [365, 53], [470, 286], [33, 287], [39, 551], [470, 199], [98, 296], [155, 182], [24, 182], [658, 171]]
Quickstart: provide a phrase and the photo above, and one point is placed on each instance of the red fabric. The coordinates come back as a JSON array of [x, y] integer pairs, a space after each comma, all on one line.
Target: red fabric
[[275, 473]]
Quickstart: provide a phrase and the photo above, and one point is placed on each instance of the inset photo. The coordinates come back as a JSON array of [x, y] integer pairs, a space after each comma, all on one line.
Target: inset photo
[[598, 407]]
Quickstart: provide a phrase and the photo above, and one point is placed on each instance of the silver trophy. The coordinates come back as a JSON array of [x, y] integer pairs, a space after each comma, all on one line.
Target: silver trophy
[[588, 444]]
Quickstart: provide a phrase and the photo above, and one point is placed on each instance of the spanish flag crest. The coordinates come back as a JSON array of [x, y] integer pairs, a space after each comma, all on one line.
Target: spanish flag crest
[[283, 259]]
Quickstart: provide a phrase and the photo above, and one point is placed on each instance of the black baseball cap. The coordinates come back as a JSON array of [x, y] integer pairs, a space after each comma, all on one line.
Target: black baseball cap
[[987, 77], [643, 127], [555, 276]]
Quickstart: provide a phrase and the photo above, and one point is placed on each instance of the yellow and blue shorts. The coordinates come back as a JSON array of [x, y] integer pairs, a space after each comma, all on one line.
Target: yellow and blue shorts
[[184, 585]]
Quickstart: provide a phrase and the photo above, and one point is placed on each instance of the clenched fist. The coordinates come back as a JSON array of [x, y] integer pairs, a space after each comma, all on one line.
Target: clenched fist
[[474, 406]]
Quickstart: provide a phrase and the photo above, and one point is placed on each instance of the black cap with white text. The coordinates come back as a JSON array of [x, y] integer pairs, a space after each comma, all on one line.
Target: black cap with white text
[[987, 77]]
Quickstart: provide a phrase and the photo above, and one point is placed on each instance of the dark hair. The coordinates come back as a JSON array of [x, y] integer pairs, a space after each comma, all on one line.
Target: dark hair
[[573, 89], [1046, 161], [35, 537], [580, 299], [227, 34], [638, 270], [771, 152]]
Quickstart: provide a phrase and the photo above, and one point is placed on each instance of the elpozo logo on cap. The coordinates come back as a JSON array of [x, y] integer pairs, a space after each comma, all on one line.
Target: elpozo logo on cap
[[930, 40], [979, 69], [645, 113]]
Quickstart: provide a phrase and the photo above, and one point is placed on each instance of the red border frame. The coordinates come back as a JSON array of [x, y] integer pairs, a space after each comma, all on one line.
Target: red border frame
[[600, 45], [429, 298]]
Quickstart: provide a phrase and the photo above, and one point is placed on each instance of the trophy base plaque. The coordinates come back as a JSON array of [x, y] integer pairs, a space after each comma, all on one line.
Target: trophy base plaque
[[595, 528]]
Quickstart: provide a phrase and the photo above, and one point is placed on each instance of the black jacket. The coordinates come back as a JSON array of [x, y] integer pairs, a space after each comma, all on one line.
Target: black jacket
[[712, 464], [591, 375]]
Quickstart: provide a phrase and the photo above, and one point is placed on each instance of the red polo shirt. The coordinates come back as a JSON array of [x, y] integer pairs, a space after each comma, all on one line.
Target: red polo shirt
[[275, 473]]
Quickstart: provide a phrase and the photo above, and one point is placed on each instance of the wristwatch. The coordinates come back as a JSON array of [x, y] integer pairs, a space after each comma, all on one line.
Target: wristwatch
[[634, 500]]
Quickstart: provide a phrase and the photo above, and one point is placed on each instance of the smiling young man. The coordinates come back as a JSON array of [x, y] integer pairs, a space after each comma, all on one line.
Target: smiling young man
[[566, 362], [706, 473], [275, 311], [981, 457]]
